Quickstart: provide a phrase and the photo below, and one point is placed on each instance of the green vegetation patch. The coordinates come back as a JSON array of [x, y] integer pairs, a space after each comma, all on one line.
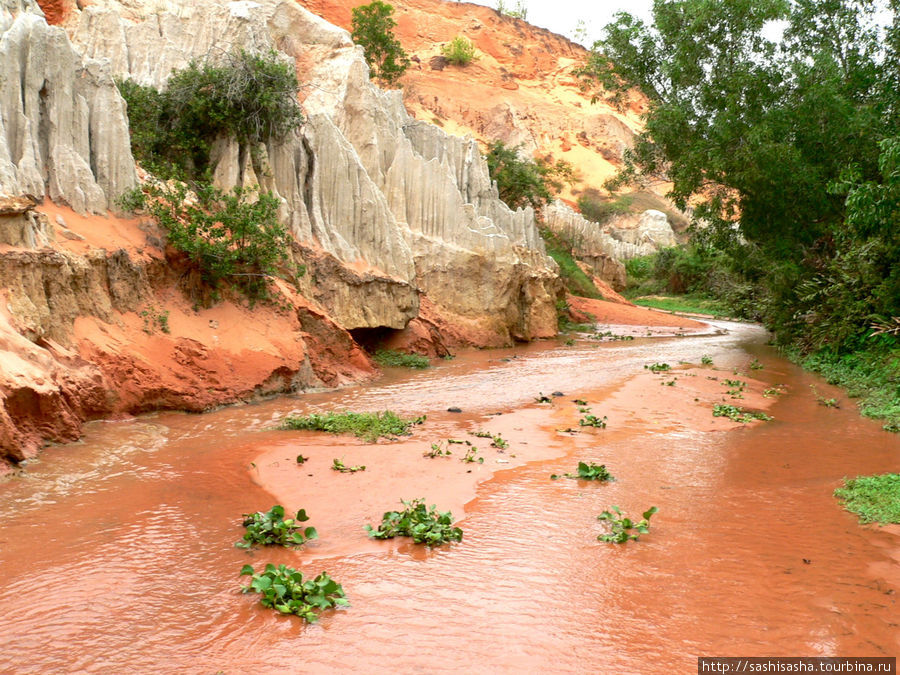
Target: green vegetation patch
[[522, 181], [228, 238], [372, 27], [459, 51], [249, 97], [587, 471], [393, 358], [368, 426], [283, 588], [271, 527], [424, 524], [576, 281], [736, 414], [871, 375], [685, 304], [624, 529], [875, 499]]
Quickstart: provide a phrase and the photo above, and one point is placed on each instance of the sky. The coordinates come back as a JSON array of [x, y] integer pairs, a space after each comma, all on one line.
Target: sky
[[561, 16]]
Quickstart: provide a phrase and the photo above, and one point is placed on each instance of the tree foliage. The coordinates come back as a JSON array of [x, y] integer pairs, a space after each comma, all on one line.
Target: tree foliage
[[780, 141], [526, 182], [246, 96], [373, 28], [227, 238]]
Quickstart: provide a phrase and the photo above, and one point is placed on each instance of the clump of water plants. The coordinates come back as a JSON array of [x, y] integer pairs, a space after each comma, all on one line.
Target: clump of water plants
[[424, 524], [658, 367], [271, 527], [393, 358], [611, 337], [821, 400], [471, 456], [283, 588], [736, 414], [590, 420], [437, 450], [587, 471], [755, 364], [368, 426], [624, 529], [301, 459], [541, 398], [706, 360], [338, 465], [777, 390], [875, 499]]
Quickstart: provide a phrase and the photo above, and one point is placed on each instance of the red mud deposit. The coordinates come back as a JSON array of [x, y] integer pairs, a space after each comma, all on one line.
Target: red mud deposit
[[589, 310], [111, 333], [749, 554]]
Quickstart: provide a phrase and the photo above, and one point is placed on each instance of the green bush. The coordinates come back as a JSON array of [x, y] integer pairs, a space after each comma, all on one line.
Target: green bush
[[373, 29], [249, 97], [368, 426], [526, 182], [459, 51], [599, 210], [226, 237]]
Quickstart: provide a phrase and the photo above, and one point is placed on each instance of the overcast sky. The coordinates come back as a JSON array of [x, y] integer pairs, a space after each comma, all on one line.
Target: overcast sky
[[561, 16]]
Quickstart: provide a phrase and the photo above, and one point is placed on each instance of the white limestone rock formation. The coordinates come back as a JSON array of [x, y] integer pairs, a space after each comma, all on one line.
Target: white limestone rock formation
[[401, 202], [652, 229], [63, 130]]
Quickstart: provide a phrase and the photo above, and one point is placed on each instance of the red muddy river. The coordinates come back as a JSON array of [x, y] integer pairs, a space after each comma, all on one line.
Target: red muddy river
[[117, 556]]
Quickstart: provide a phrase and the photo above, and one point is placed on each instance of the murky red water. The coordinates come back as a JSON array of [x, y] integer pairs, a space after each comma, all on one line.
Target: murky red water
[[117, 553]]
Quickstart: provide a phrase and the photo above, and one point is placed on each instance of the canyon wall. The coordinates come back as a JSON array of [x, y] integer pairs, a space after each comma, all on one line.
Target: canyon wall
[[390, 215]]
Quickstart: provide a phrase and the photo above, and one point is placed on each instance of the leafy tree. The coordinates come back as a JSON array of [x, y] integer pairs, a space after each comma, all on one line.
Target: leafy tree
[[526, 182], [753, 130], [242, 95], [373, 29]]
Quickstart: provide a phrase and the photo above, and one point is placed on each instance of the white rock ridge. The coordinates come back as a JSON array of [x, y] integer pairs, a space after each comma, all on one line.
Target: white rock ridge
[[63, 131], [400, 200]]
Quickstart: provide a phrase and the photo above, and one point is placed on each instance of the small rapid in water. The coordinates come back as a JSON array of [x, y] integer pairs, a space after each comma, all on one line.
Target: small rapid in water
[[117, 553]]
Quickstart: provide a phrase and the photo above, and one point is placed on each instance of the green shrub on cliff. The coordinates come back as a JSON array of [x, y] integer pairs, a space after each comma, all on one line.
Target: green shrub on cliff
[[248, 97], [459, 51], [227, 238], [525, 182]]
